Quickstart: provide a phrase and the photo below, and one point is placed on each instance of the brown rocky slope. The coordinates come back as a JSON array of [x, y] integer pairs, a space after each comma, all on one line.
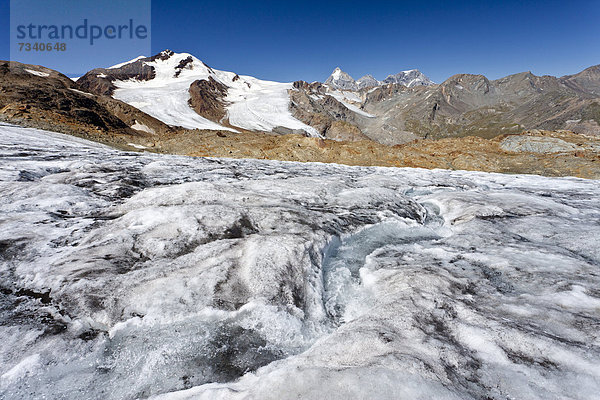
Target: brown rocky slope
[[35, 96], [538, 152]]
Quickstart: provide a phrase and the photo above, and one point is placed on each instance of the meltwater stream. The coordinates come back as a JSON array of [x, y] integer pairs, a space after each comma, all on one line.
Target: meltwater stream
[[344, 295], [127, 275]]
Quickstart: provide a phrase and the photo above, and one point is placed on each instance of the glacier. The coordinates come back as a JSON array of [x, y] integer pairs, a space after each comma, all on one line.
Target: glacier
[[135, 275], [251, 103]]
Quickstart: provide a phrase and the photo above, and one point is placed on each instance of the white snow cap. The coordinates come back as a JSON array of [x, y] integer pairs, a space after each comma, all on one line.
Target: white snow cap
[[253, 104]]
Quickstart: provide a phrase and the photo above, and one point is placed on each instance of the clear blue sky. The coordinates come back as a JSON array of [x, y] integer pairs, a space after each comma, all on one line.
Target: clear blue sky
[[290, 40]]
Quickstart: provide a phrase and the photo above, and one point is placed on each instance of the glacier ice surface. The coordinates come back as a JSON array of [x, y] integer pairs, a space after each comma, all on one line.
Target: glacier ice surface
[[131, 275]]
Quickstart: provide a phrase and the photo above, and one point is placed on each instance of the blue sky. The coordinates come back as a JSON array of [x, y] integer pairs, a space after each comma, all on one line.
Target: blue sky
[[80, 55], [290, 40]]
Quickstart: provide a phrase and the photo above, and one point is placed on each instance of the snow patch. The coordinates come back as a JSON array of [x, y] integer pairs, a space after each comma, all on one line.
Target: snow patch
[[81, 92], [138, 126], [347, 98], [38, 73], [137, 146]]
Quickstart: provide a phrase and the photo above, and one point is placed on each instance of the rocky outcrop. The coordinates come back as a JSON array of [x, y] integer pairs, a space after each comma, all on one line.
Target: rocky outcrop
[[536, 144], [183, 64], [100, 81], [207, 98], [311, 105], [137, 120], [344, 131], [315, 87]]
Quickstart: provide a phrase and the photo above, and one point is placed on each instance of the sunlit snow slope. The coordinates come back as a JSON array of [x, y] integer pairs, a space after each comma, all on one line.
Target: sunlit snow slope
[[253, 104], [127, 275]]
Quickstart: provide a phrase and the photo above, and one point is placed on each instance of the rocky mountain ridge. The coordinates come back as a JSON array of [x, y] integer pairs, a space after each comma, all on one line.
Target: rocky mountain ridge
[[171, 91], [465, 105]]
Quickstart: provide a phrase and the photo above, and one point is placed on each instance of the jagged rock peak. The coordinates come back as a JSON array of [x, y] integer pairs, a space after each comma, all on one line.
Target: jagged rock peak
[[341, 80]]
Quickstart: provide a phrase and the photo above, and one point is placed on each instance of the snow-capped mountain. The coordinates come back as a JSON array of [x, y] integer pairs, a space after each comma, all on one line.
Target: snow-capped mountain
[[341, 80], [409, 78], [181, 90]]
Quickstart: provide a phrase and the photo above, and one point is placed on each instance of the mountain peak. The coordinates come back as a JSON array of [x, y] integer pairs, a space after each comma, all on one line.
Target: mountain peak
[[367, 81], [341, 80], [409, 78], [587, 80]]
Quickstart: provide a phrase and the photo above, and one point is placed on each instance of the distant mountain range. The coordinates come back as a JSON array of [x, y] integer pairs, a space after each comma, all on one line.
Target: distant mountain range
[[342, 81], [171, 91], [409, 106]]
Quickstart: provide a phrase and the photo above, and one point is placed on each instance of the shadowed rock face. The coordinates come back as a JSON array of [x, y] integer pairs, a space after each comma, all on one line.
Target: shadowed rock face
[[35, 96], [182, 64], [100, 80], [54, 96], [207, 98]]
